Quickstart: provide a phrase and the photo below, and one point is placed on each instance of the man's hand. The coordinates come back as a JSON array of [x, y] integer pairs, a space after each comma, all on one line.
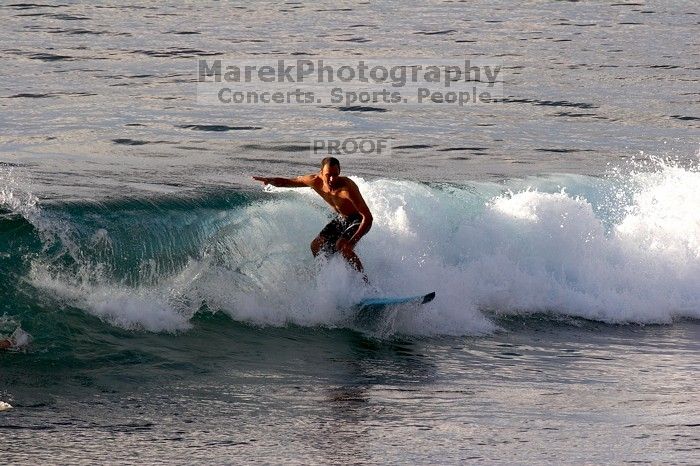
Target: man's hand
[[298, 182], [265, 181]]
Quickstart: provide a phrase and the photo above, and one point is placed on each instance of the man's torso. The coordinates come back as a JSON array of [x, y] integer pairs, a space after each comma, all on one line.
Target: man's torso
[[339, 199]]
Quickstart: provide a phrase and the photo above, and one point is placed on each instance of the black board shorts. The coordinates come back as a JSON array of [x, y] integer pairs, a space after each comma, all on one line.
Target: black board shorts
[[339, 227]]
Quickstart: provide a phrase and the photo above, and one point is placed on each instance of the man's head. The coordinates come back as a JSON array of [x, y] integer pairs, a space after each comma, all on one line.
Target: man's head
[[330, 171]]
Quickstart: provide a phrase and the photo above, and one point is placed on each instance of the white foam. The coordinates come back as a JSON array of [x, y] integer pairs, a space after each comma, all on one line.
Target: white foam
[[154, 308], [521, 252], [15, 196], [20, 338]]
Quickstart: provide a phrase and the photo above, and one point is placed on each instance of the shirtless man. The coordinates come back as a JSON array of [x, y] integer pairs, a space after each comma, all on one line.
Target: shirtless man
[[353, 219]]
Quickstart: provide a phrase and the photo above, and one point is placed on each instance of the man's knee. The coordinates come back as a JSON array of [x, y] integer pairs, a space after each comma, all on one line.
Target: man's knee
[[316, 245]]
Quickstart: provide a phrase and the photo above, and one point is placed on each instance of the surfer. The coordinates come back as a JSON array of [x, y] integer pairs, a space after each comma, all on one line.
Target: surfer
[[353, 218]]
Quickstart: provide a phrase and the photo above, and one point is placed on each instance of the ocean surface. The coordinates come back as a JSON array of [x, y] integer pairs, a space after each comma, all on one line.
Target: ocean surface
[[173, 309]]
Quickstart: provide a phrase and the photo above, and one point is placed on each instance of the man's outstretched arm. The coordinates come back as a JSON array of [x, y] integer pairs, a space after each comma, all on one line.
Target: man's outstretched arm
[[298, 182]]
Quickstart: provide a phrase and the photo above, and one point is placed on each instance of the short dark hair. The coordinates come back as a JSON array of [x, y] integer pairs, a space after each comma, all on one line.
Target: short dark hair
[[331, 162]]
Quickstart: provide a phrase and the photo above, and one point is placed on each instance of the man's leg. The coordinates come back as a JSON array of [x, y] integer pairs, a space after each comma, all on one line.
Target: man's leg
[[325, 240], [327, 245], [349, 254], [353, 260], [317, 245]]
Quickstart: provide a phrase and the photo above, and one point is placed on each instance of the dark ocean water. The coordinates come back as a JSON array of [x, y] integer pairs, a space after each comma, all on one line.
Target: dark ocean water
[[176, 314]]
